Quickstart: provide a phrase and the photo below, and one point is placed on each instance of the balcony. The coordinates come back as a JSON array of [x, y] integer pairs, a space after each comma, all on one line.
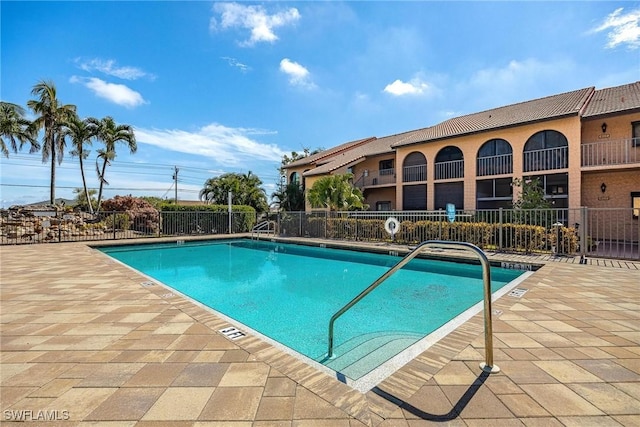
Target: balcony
[[495, 165], [546, 159], [375, 178], [449, 170], [414, 173], [611, 153]]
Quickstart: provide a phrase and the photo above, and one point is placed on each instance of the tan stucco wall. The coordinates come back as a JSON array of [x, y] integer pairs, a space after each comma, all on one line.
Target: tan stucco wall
[[620, 185], [618, 127], [387, 194]]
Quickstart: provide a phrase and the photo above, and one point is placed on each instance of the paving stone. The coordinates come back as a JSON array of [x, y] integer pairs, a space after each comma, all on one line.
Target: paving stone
[[179, 403]]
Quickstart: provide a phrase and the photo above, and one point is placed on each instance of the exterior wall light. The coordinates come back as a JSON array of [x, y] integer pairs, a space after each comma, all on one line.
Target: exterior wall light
[[604, 128], [603, 187]]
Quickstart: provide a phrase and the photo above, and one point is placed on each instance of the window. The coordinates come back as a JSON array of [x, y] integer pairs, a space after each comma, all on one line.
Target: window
[[546, 150], [386, 167], [383, 206], [635, 204], [635, 134], [495, 157]]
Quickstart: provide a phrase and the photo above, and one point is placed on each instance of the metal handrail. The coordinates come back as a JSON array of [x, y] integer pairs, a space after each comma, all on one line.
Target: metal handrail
[[263, 226], [487, 365]]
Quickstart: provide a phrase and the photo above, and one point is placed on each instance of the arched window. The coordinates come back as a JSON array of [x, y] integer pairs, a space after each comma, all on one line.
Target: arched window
[[495, 157], [295, 177], [414, 167], [545, 150], [449, 163]]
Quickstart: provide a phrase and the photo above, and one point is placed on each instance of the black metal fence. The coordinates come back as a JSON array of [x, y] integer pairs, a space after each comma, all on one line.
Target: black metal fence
[[612, 233]]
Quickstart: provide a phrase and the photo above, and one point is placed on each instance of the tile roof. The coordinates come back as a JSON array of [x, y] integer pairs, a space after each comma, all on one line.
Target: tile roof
[[613, 100], [318, 157], [555, 106], [359, 153]]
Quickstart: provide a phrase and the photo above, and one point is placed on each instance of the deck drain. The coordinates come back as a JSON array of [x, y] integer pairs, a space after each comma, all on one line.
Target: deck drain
[[149, 283], [232, 333], [518, 292]]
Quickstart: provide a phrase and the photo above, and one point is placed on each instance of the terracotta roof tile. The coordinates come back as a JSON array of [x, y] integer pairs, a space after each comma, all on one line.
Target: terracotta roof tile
[[555, 106], [614, 100], [325, 154], [359, 153]]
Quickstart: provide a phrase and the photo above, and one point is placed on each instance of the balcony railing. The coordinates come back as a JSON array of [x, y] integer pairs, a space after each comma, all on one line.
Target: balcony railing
[[414, 173], [450, 169], [373, 178], [495, 165], [546, 159], [609, 153]]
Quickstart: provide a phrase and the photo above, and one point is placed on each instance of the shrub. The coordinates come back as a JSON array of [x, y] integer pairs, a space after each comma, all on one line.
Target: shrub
[[117, 221], [142, 216]]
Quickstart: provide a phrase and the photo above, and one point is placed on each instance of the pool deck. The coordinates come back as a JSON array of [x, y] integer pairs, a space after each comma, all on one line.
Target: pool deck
[[87, 341]]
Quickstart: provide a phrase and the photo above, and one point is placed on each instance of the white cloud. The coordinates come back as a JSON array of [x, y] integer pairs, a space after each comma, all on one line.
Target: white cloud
[[414, 87], [116, 93], [623, 28], [226, 146], [298, 75], [519, 74], [516, 81], [109, 67], [235, 63], [254, 18]]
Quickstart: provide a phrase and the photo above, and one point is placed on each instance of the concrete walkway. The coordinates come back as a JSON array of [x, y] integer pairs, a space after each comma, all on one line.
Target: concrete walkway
[[87, 341]]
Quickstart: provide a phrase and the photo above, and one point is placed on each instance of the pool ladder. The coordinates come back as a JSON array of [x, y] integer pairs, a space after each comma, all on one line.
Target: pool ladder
[[487, 365], [268, 227]]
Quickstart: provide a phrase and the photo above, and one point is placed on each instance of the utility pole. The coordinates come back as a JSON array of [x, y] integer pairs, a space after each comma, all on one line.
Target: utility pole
[[175, 183]]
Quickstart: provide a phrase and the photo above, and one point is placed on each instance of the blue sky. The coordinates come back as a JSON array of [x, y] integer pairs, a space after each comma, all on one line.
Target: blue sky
[[213, 87]]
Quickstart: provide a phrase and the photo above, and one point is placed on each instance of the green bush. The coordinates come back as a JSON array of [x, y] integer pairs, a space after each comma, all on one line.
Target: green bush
[[117, 221]]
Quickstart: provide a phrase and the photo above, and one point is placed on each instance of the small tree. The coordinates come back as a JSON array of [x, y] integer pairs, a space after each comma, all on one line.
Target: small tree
[[531, 194], [336, 193], [531, 203], [289, 198], [82, 199], [142, 216]]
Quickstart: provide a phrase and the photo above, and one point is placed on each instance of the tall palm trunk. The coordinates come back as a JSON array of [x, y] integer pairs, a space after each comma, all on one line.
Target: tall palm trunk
[[84, 184], [102, 181]]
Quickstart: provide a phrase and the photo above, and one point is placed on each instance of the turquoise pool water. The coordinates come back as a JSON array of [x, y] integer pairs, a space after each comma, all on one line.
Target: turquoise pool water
[[289, 292]]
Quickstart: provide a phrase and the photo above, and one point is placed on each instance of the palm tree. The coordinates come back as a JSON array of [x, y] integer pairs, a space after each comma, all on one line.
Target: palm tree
[[80, 132], [15, 128], [245, 188], [107, 131], [52, 117], [289, 197], [336, 193]]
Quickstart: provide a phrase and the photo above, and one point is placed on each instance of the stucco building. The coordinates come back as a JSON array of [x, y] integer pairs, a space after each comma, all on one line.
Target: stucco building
[[583, 145]]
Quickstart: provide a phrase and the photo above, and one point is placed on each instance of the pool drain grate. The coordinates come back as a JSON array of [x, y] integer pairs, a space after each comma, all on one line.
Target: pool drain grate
[[518, 292], [232, 333], [147, 283]]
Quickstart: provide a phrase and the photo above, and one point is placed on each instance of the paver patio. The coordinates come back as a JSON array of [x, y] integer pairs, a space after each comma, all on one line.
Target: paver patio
[[85, 341]]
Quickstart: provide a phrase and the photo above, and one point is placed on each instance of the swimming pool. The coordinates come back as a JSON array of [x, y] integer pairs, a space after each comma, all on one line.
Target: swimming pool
[[289, 292]]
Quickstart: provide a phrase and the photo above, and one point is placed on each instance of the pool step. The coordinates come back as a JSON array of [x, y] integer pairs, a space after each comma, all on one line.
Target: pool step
[[360, 355]]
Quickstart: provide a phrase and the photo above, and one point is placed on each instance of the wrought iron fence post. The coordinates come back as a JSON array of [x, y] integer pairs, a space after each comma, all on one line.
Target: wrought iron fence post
[[583, 230], [113, 223], [500, 229], [300, 224], [326, 218]]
